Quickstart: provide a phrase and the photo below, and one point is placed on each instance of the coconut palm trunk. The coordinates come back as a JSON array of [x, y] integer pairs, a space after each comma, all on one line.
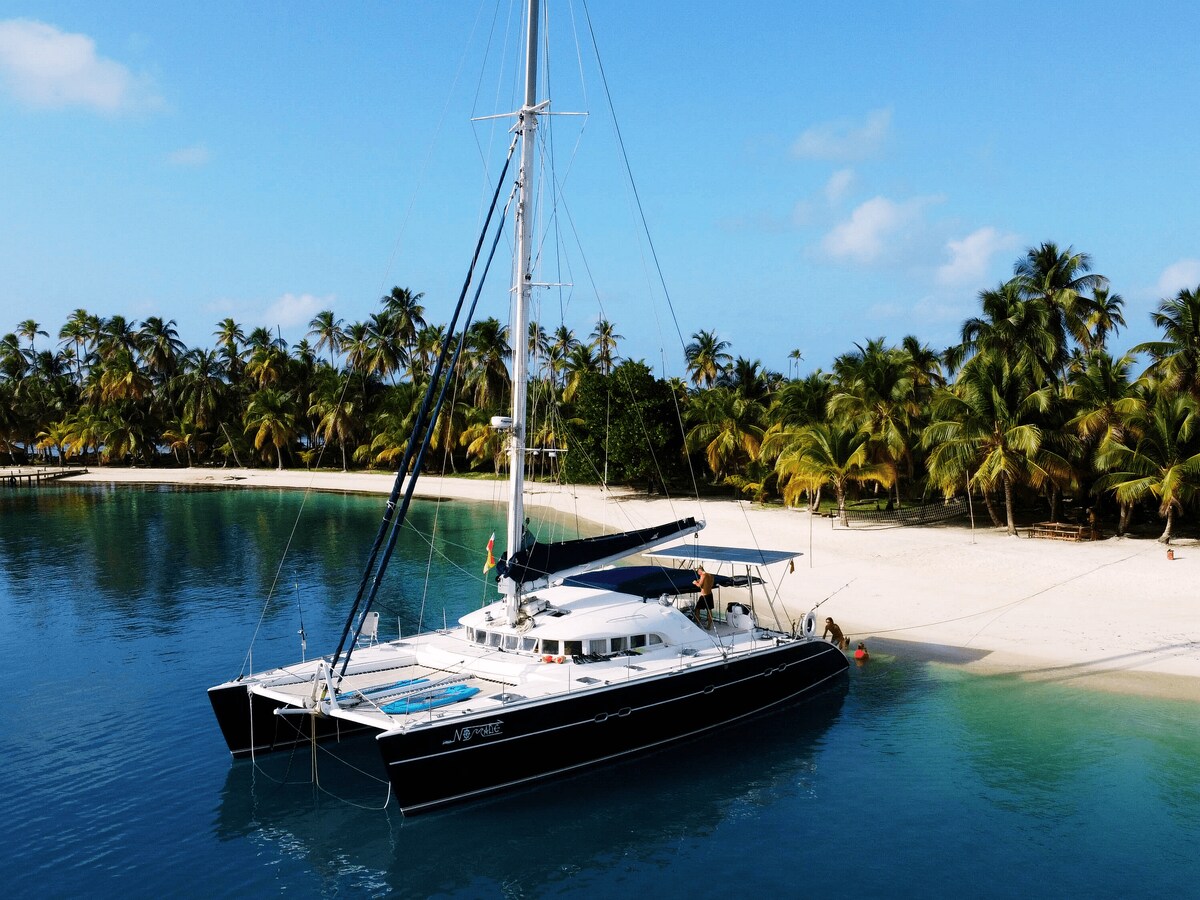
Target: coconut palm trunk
[[1165, 537], [1008, 504]]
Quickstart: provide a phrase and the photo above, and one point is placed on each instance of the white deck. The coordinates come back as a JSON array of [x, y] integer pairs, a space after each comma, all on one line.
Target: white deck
[[508, 679]]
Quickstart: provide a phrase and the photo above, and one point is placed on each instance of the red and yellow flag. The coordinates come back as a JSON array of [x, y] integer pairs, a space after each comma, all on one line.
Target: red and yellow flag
[[491, 560]]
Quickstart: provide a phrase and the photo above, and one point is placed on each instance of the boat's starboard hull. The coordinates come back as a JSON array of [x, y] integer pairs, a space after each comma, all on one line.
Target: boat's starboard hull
[[432, 767]]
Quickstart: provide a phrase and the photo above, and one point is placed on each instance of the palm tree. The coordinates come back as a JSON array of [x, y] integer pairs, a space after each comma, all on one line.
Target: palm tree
[[707, 356], [747, 378], [337, 419], [387, 351], [327, 329], [729, 428], [30, 329], [562, 344], [488, 346], [200, 387], [985, 433], [122, 378], [267, 365], [271, 415], [874, 393], [1176, 358], [79, 332], [14, 360], [1011, 329], [1104, 318], [117, 335], [539, 343], [577, 365], [182, 434], [604, 343], [823, 454], [1103, 396], [1156, 459], [56, 437], [794, 359], [230, 341], [1058, 279], [801, 402], [428, 347], [406, 315]]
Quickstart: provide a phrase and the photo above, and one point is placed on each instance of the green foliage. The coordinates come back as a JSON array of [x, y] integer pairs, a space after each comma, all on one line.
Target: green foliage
[[616, 417]]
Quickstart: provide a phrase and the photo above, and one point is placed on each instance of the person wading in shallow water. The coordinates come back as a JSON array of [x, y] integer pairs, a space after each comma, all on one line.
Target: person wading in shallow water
[[704, 583], [835, 634]]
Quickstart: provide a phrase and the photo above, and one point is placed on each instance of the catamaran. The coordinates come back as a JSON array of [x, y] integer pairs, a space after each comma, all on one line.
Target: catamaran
[[577, 661]]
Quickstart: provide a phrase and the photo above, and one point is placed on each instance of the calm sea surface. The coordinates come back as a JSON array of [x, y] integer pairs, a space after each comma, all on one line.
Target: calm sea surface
[[120, 606]]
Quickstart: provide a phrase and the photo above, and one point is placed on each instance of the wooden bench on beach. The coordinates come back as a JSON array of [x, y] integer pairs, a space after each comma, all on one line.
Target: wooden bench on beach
[[1062, 531]]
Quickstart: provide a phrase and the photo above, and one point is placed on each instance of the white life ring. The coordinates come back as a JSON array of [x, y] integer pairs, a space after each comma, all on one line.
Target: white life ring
[[810, 624]]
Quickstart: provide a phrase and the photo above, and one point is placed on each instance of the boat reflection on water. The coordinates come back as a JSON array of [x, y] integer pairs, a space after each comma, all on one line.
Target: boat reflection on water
[[637, 810]]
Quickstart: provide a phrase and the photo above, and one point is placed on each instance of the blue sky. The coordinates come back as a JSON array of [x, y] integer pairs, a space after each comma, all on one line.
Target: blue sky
[[812, 175]]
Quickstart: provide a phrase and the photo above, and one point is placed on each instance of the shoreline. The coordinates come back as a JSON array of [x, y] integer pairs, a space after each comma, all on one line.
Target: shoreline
[[1114, 614]]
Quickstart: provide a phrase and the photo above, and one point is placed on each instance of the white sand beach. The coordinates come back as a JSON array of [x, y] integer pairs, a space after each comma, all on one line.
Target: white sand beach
[[1114, 614]]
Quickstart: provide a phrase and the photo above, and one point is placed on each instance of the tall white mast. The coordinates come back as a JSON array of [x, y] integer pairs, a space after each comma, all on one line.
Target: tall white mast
[[522, 287]]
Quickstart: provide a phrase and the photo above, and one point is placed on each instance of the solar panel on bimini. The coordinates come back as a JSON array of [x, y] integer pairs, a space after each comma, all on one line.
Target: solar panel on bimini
[[748, 556]]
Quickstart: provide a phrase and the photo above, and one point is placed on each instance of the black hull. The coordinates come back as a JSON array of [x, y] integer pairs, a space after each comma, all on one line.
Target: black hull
[[459, 761], [250, 725]]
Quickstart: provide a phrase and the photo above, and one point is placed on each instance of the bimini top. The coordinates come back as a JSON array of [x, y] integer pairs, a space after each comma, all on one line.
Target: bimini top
[[652, 581], [746, 556]]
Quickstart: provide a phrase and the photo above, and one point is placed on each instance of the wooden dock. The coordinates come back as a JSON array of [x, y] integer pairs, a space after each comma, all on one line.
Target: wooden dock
[[27, 477]]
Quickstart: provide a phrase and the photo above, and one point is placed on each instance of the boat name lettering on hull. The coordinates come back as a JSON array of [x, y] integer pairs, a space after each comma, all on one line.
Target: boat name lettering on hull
[[487, 730]]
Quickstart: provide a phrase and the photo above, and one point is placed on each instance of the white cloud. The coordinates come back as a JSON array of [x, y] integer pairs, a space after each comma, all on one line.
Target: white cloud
[[838, 185], [971, 256], [844, 139], [196, 155], [865, 236], [1178, 276], [44, 67], [292, 310]]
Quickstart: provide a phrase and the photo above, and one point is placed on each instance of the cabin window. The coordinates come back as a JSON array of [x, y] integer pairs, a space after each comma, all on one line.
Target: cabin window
[[600, 646], [481, 637], [618, 644], [636, 641], [572, 648], [550, 647], [470, 634], [528, 644], [510, 642], [655, 639], [493, 639]]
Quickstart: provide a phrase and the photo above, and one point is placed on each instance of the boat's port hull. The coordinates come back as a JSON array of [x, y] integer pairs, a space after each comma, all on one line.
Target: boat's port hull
[[251, 726], [433, 766]]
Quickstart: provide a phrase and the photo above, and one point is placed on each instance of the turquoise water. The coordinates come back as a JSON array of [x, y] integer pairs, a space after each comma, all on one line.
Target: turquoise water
[[120, 606]]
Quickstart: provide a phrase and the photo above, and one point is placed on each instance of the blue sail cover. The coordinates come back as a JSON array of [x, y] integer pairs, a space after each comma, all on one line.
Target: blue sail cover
[[540, 561]]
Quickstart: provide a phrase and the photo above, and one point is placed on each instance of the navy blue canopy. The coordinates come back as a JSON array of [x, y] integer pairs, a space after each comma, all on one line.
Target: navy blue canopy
[[540, 561], [651, 581]]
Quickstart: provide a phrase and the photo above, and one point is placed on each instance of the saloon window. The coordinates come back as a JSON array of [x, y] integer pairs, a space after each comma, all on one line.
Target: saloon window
[[550, 647], [571, 648], [637, 640], [618, 644]]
